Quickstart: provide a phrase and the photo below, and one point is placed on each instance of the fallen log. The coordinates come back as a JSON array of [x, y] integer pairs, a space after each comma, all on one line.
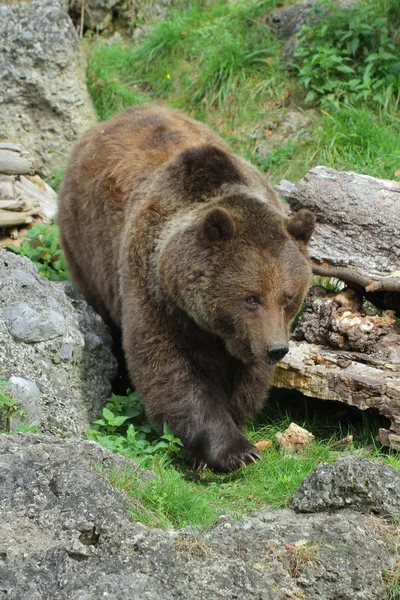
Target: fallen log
[[24, 198], [338, 352], [344, 376], [13, 161], [358, 222]]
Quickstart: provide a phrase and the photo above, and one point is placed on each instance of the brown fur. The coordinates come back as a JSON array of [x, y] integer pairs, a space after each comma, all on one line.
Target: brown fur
[[170, 236]]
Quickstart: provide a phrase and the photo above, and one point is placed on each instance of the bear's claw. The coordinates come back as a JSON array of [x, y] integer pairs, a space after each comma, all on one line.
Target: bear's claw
[[239, 460], [254, 456]]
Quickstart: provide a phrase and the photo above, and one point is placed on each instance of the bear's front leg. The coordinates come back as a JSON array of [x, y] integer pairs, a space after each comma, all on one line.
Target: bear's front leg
[[216, 442], [195, 408]]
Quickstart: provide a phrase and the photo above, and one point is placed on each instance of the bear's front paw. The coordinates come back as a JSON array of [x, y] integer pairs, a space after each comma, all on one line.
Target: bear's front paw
[[233, 458]]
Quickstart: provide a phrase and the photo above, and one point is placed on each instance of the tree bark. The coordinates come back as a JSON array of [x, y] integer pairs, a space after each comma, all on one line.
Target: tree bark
[[345, 376], [23, 197], [342, 354], [358, 223]]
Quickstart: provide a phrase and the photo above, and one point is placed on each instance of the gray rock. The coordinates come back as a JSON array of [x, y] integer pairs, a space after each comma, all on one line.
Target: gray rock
[[351, 482], [99, 14], [288, 21], [44, 102], [29, 397], [279, 130], [28, 325], [65, 533], [60, 375]]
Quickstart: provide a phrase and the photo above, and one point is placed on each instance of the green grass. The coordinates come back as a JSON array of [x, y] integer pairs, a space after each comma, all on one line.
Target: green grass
[[360, 140], [110, 69], [179, 496], [217, 61], [205, 56], [346, 138]]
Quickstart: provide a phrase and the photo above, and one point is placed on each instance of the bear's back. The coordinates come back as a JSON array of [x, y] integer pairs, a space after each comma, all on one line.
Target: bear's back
[[129, 148]]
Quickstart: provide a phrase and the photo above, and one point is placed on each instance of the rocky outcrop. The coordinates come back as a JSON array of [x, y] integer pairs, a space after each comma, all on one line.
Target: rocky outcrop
[[65, 533], [131, 15], [351, 482], [44, 102], [54, 350]]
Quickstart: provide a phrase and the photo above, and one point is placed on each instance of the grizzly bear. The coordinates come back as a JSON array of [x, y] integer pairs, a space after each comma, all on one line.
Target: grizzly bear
[[184, 247]]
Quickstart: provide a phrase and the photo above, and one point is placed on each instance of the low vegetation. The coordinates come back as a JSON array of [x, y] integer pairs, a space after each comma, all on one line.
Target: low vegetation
[[180, 496], [42, 246]]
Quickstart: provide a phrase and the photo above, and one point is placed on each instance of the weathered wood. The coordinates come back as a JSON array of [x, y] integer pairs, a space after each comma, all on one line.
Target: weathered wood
[[10, 146], [321, 372], [358, 223], [24, 197], [13, 163], [11, 218], [35, 195], [335, 320], [345, 355]]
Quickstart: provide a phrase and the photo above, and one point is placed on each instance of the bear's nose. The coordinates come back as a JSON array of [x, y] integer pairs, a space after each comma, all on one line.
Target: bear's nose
[[276, 352]]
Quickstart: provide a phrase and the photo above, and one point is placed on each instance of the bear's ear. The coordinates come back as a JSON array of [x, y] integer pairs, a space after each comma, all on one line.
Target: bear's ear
[[217, 226], [301, 225], [204, 169]]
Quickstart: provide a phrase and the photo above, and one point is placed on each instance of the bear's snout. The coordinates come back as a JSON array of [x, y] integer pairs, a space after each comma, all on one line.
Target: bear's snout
[[276, 352]]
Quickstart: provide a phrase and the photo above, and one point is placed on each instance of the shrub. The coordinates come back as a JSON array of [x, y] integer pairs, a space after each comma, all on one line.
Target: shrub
[[123, 427], [42, 247], [349, 54]]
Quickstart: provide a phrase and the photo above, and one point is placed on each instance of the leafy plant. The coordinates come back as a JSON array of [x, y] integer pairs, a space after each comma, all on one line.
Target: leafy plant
[[122, 427], [8, 407], [348, 54], [42, 247]]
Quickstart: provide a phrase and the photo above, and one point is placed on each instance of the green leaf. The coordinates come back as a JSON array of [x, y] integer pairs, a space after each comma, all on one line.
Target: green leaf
[[353, 45], [107, 414], [118, 421], [344, 69]]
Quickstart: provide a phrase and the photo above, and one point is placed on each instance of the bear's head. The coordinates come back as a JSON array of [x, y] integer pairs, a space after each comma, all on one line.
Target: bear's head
[[240, 270]]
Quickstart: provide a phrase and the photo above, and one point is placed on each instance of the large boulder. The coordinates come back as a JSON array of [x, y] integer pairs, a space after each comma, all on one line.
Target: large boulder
[[44, 101], [54, 350], [65, 533], [351, 482]]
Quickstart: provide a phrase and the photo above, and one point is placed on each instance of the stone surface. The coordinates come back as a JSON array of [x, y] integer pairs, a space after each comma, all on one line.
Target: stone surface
[[54, 349], [288, 21], [133, 15], [65, 534], [280, 128], [351, 482], [44, 102]]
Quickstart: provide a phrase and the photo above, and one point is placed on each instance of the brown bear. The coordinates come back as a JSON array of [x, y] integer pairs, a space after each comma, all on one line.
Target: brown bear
[[183, 246]]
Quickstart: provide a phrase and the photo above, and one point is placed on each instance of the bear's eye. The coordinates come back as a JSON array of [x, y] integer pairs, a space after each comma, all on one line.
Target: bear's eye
[[253, 301]]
